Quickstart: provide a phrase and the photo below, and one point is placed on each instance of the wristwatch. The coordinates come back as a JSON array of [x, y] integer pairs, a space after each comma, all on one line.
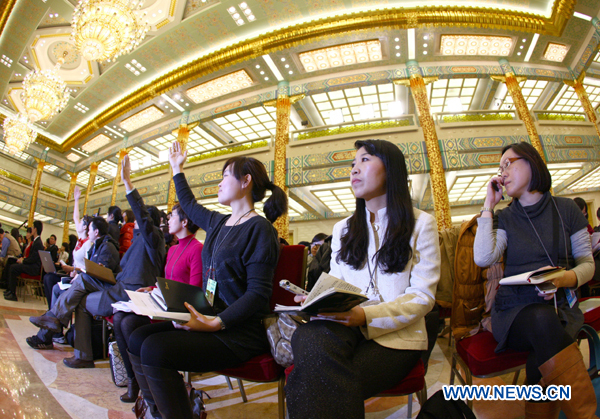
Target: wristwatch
[[221, 322], [491, 210]]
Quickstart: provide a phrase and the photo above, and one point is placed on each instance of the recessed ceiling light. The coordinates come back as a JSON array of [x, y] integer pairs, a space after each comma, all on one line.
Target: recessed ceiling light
[[266, 78], [556, 52], [291, 72], [397, 54], [283, 59], [522, 46], [424, 45], [396, 39], [262, 72], [397, 46], [523, 40], [518, 53], [425, 37], [339, 55], [476, 45], [424, 52], [219, 86], [257, 66]]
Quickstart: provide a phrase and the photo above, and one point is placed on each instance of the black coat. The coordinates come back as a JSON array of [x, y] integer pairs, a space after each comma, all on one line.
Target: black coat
[[34, 257], [104, 252], [115, 232]]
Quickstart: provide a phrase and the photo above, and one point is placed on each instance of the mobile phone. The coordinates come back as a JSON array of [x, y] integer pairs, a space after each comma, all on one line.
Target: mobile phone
[[288, 286], [546, 288], [495, 186]]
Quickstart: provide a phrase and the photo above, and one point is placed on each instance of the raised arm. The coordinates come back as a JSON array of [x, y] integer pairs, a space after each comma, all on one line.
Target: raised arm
[[197, 213], [149, 231], [76, 219]]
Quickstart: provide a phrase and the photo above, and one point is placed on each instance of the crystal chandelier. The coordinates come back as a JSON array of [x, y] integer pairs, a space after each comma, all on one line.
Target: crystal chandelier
[[44, 93], [18, 133], [105, 29]]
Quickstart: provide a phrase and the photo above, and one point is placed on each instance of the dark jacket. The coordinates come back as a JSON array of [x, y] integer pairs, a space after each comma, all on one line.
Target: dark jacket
[[115, 232], [53, 252], [144, 260], [319, 264], [34, 256], [104, 252]]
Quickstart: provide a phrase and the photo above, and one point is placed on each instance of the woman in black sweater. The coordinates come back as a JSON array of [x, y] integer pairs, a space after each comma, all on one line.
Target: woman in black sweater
[[239, 257]]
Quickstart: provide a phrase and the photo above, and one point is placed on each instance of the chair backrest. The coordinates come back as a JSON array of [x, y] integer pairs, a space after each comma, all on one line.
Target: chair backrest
[[291, 266]]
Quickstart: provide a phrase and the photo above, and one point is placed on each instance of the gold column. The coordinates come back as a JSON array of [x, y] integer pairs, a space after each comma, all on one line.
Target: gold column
[[183, 135], [437, 176], [584, 99], [69, 197], [122, 153], [512, 84], [90, 186], [282, 136], [36, 188]]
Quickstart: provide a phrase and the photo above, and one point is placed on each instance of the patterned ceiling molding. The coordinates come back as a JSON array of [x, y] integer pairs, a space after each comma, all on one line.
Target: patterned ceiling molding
[[395, 18], [588, 55], [7, 8]]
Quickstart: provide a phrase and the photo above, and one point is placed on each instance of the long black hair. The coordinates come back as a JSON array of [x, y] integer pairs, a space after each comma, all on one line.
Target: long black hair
[[395, 251], [277, 203]]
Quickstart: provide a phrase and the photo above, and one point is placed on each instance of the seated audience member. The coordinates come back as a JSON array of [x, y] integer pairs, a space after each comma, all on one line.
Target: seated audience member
[[315, 243], [391, 251], [52, 247], [319, 264], [538, 230], [89, 297], [184, 264], [72, 246], [239, 258], [584, 210], [597, 228], [63, 255], [104, 252], [79, 254], [114, 217], [30, 264], [126, 234], [10, 251]]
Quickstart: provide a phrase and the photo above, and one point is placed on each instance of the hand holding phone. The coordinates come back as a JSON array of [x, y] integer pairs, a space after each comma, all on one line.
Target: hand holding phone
[[288, 286], [546, 288]]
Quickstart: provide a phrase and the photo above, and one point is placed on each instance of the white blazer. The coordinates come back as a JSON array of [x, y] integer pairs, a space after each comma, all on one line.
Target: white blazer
[[398, 321]]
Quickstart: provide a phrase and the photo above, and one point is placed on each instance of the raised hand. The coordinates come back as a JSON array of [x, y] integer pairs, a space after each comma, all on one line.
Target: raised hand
[[77, 193], [177, 158]]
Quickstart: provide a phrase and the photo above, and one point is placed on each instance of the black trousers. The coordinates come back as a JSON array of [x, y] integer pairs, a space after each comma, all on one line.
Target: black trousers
[[124, 325], [18, 269], [537, 329], [336, 369]]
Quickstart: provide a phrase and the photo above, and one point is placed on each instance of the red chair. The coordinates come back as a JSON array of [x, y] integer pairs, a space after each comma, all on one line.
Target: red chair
[[34, 283], [477, 358], [414, 382], [263, 368]]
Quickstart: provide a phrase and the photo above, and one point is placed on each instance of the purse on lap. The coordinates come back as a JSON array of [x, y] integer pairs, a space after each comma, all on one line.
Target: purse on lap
[[280, 329]]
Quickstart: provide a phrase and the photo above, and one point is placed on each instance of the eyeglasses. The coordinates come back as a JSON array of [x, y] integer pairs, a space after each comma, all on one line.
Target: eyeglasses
[[509, 161]]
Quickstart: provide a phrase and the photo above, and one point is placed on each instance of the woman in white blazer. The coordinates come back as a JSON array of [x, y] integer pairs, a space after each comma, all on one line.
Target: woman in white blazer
[[391, 251]]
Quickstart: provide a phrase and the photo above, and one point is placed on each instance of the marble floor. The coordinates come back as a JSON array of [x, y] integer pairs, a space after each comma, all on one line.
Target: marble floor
[[36, 384]]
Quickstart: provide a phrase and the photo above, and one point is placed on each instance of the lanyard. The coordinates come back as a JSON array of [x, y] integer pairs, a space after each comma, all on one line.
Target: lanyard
[[372, 274], [218, 246]]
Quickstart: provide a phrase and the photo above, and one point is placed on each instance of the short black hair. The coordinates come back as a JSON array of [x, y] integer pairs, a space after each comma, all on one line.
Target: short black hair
[[541, 180], [319, 237], [155, 214], [304, 243], [598, 213], [52, 235], [130, 216], [39, 226], [192, 228], [29, 230], [581, 204], [100, 224], [1, 231], [116, 213], [15, 233], [65, 245]]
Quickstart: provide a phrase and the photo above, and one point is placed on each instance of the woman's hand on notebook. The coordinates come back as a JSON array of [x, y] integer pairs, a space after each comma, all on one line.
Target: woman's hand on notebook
[[353, 317], [144, 289], [199, 322]]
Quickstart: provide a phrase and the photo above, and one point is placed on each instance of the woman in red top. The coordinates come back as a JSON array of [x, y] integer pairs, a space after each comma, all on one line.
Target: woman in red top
[[126, 231], [184, 264]]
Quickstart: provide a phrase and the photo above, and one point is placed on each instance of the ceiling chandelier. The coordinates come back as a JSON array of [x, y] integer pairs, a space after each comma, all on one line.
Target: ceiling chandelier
[[18, 133], [105, 29], [44, 93]]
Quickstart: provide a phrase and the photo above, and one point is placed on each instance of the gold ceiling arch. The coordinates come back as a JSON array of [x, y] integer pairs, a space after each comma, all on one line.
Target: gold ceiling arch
[[394, 18]]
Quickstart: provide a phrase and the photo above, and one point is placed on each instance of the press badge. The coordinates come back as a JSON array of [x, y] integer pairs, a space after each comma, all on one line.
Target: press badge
[[211, 288], [571, 296]]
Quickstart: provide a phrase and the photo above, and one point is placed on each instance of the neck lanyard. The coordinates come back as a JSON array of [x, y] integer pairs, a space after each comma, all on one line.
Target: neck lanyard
[[374, 272], [554, 238], [176, 260], [218, 246]]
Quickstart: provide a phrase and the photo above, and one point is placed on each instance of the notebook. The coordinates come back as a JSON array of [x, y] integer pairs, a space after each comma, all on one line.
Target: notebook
[[175, 293], [99, 272], [47, 261]]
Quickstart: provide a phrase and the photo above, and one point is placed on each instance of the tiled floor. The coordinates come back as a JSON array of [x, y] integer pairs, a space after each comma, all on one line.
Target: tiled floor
[[36, 384]]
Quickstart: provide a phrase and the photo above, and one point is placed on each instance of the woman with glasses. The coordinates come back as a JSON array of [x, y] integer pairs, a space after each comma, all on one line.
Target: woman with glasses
[[535, 231]]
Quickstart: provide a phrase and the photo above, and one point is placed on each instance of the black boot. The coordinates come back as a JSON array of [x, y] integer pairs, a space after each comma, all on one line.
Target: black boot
[[143, 385], [170, 394], [132, 391]]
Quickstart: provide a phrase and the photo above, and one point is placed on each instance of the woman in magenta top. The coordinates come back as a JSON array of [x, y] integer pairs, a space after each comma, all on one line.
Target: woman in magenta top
[[184, 264]]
